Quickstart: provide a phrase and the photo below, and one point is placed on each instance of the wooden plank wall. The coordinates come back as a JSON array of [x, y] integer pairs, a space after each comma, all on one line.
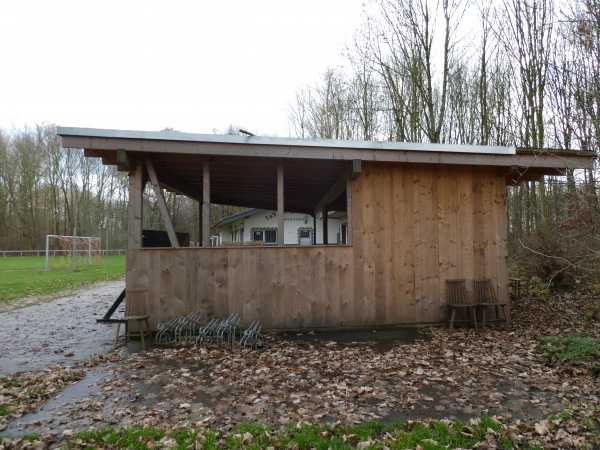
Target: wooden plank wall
[[284, 287], [414, 226]]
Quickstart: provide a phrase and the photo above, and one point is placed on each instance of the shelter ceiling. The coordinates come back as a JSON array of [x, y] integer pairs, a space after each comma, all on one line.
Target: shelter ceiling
[[245, 181]]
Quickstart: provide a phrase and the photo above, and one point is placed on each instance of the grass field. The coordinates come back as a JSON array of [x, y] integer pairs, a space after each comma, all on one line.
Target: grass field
[[24, 276]]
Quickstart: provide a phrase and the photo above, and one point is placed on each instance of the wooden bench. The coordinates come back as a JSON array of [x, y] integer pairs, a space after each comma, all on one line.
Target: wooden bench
[[457, 297], [485, 297]]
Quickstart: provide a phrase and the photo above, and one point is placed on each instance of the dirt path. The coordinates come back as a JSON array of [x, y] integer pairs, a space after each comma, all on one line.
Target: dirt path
[[62, 330]]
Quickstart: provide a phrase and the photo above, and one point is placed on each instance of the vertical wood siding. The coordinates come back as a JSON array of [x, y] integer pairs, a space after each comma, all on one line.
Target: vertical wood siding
[[413, 227], [416, 226]]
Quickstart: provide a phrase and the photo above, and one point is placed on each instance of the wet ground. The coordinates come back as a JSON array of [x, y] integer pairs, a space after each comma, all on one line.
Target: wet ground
[[61, 330], [292, 381], [380, 340], [355, 376]]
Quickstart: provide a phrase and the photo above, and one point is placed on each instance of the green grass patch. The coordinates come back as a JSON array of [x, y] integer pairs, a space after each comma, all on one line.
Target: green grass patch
[[22, 392], [31, 263], [20, 284], [135, 437], [580, 350], [16, 382], [6, 408], [429, 435], [31, 437]]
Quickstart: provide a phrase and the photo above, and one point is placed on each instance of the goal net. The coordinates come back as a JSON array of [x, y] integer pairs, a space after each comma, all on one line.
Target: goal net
[[67, 252]]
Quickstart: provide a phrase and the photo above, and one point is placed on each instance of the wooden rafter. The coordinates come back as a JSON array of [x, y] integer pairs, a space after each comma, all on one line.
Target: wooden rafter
[[334, 192], [162, 205]]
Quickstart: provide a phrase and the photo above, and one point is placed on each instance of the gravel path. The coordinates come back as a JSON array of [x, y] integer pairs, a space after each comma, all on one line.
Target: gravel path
[[61, 330]]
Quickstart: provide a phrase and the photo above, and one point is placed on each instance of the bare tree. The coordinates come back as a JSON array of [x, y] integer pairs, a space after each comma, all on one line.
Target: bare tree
[[406, 40], [525, 28], [324, 110], [5, 194], [298, 114], [365, 103], [584, 26]]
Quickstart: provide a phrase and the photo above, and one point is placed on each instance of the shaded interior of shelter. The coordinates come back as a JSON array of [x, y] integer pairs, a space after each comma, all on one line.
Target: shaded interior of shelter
[[246, 181]]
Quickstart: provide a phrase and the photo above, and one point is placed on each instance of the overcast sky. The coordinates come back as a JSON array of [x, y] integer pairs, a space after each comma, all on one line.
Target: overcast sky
[[193, 65]]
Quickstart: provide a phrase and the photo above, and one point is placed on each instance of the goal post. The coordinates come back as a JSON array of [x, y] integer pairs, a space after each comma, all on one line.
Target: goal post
[[67, 252]]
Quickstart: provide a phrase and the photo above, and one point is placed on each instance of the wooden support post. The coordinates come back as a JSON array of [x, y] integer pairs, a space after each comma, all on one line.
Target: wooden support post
[[162, 205], [280, 207], [349, 211], [314, 229], [206, 204], [134, 207], [325, 227], [200, 238]]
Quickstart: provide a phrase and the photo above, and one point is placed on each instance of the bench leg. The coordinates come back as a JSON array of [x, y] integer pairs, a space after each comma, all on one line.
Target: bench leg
[[473, 311], [505, 315], [483, 318], [142, 332], [452, 317], [117, 335]]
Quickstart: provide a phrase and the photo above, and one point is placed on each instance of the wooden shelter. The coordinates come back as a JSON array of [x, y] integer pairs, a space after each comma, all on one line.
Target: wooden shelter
[[417, 215]]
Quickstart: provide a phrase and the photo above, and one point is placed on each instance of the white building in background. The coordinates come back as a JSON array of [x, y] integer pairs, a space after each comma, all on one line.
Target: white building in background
[[260, 225]]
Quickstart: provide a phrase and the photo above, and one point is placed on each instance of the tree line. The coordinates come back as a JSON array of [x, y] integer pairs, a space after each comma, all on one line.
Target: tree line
[[46, 189], [509, 72]]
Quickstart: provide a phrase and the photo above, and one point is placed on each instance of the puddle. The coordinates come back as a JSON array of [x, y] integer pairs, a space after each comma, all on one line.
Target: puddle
[[56, 410], [381, 341], [449, 402]]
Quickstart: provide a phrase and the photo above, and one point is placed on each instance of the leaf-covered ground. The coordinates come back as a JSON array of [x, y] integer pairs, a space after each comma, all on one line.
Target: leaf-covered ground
[[457, 374]]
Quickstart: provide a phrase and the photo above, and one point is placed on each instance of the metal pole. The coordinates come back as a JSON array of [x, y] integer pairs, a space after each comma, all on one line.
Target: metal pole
[[74, 231], [47, 251], [106, 243]]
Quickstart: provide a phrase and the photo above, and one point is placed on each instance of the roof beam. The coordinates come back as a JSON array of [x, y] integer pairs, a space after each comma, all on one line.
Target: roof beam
[[356, 169], [123, 163], [334, 191], [542, 160]]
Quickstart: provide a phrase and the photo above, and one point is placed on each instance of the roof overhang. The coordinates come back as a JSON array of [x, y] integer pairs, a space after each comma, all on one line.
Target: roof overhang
[[247, 164]]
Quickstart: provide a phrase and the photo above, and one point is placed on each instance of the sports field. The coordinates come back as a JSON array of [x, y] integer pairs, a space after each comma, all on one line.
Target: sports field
[[25, 276]]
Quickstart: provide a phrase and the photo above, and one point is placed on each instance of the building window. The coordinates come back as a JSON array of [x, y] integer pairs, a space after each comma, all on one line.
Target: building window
[[271, 236], [266, 235]]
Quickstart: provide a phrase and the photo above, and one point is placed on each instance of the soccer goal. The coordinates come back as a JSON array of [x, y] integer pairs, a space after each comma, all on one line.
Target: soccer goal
[[67, 252]]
